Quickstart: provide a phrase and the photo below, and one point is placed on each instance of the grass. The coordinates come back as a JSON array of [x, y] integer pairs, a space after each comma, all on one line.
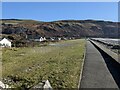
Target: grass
[[16, 21], [60, 63]]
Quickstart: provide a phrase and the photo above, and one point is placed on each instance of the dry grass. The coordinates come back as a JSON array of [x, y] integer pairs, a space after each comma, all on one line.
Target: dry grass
[[59, 63]]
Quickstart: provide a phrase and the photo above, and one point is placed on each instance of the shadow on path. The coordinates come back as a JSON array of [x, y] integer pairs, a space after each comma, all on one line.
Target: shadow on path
[[113, 66]]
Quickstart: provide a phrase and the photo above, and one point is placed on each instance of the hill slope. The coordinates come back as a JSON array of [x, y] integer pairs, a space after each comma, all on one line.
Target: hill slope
[[63, 28]]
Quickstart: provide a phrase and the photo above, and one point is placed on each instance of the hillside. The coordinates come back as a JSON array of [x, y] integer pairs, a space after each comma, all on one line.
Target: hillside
[[18, 21], [63, 28]]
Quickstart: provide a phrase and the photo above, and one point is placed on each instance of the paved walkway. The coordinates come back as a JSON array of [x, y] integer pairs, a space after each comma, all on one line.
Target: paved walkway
[[95, 71]]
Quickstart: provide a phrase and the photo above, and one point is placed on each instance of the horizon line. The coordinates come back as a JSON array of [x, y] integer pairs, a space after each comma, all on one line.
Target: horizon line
[[59, 20]]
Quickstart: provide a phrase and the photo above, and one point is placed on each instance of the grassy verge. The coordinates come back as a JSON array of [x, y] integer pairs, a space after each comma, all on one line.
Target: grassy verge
[[60, 63]]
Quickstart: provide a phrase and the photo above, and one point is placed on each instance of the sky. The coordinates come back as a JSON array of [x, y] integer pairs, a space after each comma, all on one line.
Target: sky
[[53, 11], [60, 0]]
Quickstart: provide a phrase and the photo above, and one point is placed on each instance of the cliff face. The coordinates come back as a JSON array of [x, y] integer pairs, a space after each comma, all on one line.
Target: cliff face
[[64, 28]]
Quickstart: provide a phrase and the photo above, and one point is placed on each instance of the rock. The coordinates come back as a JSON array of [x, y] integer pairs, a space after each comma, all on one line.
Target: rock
[[47, 85], [44, 85]]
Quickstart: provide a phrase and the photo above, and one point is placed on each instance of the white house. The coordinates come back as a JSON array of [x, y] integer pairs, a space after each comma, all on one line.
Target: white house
[[52, 39], [42, 39], [2, 85], [59, 39], [5, 43]]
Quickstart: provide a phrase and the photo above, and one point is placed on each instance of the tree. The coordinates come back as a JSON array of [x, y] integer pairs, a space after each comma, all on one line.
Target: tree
[[11, 37]]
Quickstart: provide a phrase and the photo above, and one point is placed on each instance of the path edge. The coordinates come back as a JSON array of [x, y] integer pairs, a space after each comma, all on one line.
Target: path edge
[[81, 72]]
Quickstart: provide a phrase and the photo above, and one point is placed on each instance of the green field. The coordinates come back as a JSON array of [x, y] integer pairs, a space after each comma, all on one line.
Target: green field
[[59, 62]]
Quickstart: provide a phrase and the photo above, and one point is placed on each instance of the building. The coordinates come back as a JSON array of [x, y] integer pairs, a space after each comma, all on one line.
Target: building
[[3, 86], [52, 38], [42, 39], [5, 43], [59, 39]]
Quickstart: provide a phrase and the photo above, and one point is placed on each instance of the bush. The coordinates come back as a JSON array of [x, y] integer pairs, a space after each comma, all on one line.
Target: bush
[[11, 37]]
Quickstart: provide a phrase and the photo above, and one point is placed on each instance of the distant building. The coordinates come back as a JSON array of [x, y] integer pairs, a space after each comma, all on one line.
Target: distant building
[[42, 39], [5, 43], [52, 38], [64, 38], [59, 39], [3, 86]]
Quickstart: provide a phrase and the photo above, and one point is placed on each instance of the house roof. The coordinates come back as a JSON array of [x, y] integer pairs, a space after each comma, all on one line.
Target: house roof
[[5, 40]]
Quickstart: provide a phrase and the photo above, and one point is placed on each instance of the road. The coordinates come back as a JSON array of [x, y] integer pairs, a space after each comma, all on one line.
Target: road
[[96, 73]]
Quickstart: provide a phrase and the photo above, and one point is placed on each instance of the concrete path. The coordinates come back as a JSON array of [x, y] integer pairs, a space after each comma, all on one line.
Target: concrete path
[[95, 71]]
